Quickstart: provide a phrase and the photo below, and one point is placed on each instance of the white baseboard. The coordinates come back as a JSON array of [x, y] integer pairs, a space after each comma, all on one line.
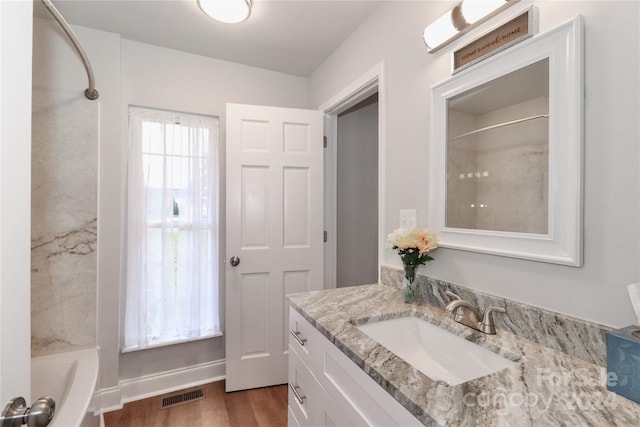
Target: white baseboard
[[92, 420], [113, 398], [107, 400]]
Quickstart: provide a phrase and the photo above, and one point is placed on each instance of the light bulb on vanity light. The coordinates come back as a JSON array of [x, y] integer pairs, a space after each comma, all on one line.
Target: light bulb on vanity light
[[475, 10], [460, 19], [444, 28], [227, 11]]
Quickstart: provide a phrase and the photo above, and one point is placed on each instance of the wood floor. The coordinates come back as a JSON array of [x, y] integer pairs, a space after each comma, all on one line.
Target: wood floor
[[263, 407]]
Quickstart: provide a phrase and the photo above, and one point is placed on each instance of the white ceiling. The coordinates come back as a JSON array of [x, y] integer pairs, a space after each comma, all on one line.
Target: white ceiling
[[289, 36]]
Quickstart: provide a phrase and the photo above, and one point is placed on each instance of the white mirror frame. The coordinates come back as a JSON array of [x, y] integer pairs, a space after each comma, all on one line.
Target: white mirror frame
[[563, 243]]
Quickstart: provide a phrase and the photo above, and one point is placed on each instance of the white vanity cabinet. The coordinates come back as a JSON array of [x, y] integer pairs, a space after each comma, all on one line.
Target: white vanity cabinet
[[331, 390]]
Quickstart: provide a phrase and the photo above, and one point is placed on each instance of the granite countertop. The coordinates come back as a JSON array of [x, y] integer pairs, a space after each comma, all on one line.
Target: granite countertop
[[544, 387]]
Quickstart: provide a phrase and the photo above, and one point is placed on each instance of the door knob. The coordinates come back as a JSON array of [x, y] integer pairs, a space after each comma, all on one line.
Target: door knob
[[234, 261], [40, 414]]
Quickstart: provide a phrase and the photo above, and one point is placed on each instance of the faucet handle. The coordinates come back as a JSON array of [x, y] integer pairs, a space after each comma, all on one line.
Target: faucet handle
[[452, 295], [487, 325]]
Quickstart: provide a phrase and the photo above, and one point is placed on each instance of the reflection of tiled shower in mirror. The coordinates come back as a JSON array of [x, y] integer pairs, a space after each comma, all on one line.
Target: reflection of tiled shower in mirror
[[498, 154]]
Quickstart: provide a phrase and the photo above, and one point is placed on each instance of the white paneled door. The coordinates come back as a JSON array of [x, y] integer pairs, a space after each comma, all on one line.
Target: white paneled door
[[274, 229]]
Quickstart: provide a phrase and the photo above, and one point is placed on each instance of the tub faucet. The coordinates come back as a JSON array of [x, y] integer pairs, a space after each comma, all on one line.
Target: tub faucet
[[469, 315]]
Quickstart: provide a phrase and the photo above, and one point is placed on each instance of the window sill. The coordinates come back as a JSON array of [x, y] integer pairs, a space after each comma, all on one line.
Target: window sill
[[165, 343]]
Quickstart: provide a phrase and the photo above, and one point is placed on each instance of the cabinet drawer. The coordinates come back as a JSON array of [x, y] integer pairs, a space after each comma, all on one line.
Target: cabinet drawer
[[303, 339]]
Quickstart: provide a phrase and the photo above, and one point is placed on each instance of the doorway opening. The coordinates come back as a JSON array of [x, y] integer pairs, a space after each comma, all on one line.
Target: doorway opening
[[354, 233], [357, 194]]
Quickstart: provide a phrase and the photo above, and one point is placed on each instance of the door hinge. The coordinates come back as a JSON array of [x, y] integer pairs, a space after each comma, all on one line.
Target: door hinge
[[325, 236], [324, 141]]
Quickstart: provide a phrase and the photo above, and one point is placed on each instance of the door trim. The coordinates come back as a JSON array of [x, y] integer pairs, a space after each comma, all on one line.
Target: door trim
[[16, 24], [374, 80]]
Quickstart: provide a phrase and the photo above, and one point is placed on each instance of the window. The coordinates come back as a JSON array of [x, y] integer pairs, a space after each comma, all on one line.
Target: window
[[172, 229]]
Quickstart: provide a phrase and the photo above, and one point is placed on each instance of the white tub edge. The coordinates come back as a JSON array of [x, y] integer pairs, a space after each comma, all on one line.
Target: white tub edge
[[74, 407]]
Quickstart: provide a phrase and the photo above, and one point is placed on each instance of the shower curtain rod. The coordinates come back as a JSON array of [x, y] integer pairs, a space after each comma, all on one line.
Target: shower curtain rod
[[499, 125], [91, 92]]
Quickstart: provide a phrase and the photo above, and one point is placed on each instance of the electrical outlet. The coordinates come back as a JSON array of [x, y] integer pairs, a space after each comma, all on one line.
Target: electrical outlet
[[408, 218]]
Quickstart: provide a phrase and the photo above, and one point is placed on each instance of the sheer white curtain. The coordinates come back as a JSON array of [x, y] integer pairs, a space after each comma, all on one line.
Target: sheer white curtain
[[172, 228]]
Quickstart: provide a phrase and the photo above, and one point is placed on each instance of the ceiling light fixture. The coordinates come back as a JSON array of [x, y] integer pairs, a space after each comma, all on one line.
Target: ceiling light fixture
[[458, 20], [227, 11]]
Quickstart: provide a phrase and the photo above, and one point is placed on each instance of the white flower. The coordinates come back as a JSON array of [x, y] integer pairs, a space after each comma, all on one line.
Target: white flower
[[393, 236]]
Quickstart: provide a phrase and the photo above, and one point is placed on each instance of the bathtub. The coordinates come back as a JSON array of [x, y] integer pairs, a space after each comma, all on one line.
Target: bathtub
[[70, 378]]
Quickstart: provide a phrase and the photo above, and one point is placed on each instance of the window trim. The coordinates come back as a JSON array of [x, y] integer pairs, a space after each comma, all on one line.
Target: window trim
[[169, 342]]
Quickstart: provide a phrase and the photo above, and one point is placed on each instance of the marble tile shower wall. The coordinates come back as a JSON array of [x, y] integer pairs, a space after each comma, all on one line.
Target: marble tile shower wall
[[63, 222], [575, 337]]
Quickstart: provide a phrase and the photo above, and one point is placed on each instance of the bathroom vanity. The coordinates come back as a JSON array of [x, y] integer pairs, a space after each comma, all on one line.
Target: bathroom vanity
[[338, 375], [327, 389]]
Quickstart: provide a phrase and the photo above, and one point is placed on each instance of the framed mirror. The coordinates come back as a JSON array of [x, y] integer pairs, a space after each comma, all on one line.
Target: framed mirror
[[506, 158]]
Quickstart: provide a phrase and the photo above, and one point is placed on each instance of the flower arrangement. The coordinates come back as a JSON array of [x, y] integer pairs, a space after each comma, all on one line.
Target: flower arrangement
[[413, 246]]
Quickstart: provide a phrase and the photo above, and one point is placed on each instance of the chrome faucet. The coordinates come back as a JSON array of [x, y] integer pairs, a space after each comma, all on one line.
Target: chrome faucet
[[469, 315]]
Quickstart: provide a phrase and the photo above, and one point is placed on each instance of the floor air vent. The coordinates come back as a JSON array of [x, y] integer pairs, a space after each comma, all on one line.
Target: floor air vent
[[181, 398]]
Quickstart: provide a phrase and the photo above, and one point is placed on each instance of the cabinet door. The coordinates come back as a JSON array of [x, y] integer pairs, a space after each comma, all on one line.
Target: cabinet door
[[326, 413], [310, 404], [292, 421], [302, 391]]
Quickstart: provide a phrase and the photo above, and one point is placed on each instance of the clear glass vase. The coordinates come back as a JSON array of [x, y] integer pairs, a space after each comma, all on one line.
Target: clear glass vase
[[410, 284]]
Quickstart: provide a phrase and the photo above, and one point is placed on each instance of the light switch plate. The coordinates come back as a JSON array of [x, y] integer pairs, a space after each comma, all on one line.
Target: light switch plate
[[408, 218]]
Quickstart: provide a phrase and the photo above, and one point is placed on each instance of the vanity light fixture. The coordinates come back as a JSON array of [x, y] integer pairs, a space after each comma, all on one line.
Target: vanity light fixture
[[461, 18], [227, 11]]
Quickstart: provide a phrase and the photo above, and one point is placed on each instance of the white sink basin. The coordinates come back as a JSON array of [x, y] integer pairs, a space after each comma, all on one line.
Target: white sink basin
[[440, 355]]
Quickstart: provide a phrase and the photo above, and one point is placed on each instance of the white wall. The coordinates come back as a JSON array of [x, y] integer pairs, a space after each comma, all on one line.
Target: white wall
[[126, 73], [169, 79], [596, 291]]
